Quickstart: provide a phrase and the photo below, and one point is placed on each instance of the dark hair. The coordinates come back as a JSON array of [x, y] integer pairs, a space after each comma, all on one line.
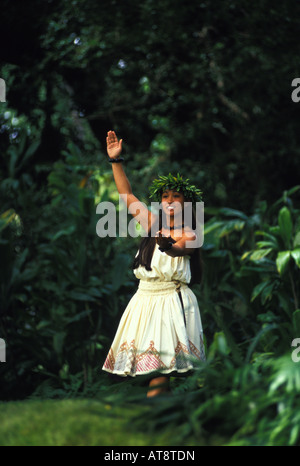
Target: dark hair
[[147, 245]]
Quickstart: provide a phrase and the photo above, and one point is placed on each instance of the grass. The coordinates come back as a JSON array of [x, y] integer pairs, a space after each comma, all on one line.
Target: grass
[[112, 414], [75, 422]]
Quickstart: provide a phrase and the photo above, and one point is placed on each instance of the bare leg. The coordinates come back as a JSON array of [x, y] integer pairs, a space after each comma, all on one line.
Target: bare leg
[[163, 387]]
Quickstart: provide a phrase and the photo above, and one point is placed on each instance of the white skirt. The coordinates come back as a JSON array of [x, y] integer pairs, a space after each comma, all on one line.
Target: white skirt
[[154, 334]]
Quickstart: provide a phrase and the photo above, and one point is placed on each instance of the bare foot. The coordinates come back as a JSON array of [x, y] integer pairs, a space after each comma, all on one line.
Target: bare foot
[[162, 384]]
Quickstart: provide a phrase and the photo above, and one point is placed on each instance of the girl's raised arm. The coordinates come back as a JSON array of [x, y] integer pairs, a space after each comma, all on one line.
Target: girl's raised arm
[[135, 207]]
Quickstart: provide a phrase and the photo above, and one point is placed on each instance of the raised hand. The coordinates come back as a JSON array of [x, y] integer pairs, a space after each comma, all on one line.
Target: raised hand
[[114, 146]]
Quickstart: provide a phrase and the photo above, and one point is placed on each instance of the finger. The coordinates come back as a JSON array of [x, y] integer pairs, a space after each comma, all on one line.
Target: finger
[[112, 136]]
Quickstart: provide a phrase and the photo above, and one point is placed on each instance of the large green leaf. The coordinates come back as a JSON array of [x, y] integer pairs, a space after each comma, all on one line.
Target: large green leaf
[[230, 226], [260, 254], [6, 218], [286, 225], [296, 241], [282, 261], [211, 226], [266, 328], [287, 374], [296, 256], [258, 289], [267, 292]]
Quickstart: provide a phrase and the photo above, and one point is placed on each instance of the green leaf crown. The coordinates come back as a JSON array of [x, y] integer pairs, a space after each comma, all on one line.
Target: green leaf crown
[[174, 183]]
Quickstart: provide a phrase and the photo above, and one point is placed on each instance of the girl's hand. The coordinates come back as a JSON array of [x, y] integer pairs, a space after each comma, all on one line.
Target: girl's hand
[[114, 147], [162, 240]]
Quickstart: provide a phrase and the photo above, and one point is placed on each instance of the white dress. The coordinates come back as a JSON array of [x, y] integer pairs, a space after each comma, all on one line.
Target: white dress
[[154, 334]]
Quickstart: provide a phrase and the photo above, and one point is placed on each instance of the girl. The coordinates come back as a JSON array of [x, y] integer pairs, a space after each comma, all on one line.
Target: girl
[[160, 331]]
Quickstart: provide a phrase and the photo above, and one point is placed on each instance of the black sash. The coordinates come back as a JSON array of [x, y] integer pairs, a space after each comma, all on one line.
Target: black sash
[[180, 297]]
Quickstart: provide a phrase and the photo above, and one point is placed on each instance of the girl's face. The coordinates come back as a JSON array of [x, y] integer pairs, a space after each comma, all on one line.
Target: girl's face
[[172, 202]]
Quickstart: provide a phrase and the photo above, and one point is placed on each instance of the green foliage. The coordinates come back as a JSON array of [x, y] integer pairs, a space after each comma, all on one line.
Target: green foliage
[[201, 87], [284, 264], [252, 404], [55, 298], [198, 87]]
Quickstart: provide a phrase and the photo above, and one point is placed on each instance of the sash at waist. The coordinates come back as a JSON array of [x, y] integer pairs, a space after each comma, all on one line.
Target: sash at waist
[[160, 287]]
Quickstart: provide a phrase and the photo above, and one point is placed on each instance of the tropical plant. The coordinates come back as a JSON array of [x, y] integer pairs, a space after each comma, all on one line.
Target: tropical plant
[[56, 290]]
